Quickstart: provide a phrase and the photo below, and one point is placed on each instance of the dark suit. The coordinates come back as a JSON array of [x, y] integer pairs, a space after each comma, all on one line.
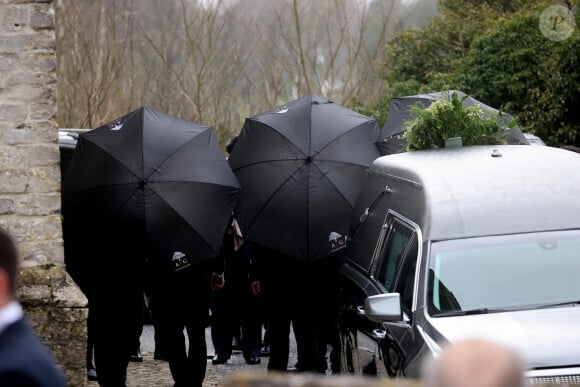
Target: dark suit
[[235, 306], [25, 360], [287, 285], [180, 300]]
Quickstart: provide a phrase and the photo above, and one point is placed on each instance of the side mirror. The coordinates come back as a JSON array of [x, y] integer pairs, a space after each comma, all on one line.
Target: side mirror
[[384, 308]]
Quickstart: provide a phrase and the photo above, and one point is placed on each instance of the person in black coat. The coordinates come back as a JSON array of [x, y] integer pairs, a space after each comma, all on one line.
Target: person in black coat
[[179, 300], [234, 305], [24, 359], [286, 284]]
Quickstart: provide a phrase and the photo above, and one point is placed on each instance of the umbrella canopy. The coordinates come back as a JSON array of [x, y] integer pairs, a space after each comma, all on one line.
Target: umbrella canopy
[[301, 166], [400, 112], [152, 181]]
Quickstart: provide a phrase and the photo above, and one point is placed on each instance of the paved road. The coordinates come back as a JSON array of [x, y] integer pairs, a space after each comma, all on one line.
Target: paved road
[[156, 373]]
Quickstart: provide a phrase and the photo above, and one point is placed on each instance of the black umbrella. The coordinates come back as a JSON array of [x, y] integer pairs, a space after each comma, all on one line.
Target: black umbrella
[[148, 180], [301, 166], [400, 112]]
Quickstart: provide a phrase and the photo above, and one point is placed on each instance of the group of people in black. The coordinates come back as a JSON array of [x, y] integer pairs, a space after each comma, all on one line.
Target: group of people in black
[[247, 287]]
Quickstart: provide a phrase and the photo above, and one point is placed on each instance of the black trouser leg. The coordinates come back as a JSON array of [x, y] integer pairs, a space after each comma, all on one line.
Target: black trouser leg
[[221, 323]]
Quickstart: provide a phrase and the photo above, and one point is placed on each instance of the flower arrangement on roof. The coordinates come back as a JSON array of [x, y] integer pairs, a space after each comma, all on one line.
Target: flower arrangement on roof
[[444, 120]]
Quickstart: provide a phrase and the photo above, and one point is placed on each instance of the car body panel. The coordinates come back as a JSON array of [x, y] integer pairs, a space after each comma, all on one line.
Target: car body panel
[[542, 337], [448, 194]]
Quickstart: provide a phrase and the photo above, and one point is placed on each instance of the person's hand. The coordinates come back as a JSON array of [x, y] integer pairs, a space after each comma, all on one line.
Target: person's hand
[[217, 281], [256, 288]]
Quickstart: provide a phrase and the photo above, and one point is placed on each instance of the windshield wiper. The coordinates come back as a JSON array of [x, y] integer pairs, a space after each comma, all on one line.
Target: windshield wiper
[[468, 312], [554, 305]]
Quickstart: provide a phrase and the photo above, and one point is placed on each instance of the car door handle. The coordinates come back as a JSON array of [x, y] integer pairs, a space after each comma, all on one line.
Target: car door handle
[[379, 334], [360, 310]]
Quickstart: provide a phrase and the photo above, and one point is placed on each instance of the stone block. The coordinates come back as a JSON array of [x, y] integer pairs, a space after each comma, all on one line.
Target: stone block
[[37, 204], [43, 179], [32, 155], [28, 133], [24, 1], [43, 61], [70, 296], [43, 40], [40, 111], [44, 275], [24, 93], [63, 330], [34, 295], [8, 62], [14, 43], [14, 17], [33, 180], [6, 206], [12, 180], [42, 17], [41, 252], [32, 228], [27, 78], [12, 113]]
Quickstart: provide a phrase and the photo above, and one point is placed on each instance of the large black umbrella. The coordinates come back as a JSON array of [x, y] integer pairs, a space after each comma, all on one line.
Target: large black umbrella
[[148, 180], [301, 166], [400, 112]]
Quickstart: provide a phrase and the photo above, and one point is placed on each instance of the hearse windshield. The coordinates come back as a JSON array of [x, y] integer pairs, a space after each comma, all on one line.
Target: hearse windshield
[[504, 273]]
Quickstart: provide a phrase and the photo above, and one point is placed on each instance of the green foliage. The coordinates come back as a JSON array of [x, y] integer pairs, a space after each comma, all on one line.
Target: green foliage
[[494, 51], [418, 60], [444, 119], [535, 78]]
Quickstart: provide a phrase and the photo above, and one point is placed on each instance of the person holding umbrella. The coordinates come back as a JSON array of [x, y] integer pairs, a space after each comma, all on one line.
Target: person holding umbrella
[[301, 165], [178, 301], [146, 201]]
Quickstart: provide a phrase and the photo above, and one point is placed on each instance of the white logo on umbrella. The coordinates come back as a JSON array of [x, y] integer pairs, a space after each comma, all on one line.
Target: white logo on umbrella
[[116, 125], [333, 236], [282, 111], [180, 261]]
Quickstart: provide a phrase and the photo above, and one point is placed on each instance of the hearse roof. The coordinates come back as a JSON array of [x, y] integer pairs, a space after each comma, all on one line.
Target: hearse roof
[[486, 190]]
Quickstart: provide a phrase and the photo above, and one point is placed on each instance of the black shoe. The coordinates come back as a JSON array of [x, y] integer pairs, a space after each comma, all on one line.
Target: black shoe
[[265, 350], [136, 357], [252, 359], [218, 359], [92, 374]]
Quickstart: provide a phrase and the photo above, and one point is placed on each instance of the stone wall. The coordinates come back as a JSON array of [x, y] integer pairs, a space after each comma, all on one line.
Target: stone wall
[[30, 180]]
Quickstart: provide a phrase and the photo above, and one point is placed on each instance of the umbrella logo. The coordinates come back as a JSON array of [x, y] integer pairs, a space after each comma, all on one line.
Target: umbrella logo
[[180, 261], [282, 111], [337, 241], [116, 125]]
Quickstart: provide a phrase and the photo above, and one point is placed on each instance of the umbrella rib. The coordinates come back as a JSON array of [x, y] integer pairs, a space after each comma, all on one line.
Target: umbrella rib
[[114, 158], [264, 162], [99, 186], [272, 196], [342, 162], [334, 185], [335, 139], [155, 169], [177, 213]]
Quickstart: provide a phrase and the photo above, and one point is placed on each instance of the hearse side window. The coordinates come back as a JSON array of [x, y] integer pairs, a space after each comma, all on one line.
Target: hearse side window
[[395, 245], [405, 282]]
